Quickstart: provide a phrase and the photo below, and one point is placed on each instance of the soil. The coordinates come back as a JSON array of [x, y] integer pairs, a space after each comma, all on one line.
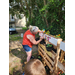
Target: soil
[[17, 57]]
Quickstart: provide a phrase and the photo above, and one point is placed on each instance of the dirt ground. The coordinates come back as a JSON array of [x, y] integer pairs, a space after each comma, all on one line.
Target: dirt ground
[[17, 57]]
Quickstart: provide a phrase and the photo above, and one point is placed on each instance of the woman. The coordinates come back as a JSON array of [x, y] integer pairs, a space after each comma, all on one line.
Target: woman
[[34, 67], [29, 40]]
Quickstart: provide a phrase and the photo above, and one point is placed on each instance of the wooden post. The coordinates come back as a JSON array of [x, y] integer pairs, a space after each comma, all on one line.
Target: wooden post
[[62, 55], [57, 57]]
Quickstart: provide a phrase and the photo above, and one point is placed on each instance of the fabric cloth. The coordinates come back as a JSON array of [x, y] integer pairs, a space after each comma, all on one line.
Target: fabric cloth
[[23, 73], [27, 48]]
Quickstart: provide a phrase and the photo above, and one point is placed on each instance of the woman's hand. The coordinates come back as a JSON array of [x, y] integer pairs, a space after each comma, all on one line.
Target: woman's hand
[[41, 37]]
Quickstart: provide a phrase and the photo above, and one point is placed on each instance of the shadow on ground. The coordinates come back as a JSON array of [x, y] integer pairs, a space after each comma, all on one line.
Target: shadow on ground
[[20, 53], [18, 57], [16, 73]]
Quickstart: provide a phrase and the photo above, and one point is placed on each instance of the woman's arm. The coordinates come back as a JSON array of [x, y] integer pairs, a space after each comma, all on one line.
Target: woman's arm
[[32, 39], [40, 31]]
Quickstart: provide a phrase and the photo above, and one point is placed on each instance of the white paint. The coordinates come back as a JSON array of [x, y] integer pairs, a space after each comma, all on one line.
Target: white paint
[[53, 41], [62, 46]]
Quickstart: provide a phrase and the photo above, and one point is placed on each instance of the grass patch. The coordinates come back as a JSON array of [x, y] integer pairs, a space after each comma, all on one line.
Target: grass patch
[[24, 28], [15, 37], [13, 70]]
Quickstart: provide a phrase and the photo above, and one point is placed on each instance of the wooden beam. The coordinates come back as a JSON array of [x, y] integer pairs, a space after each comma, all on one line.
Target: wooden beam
[[47, 57], [60, 66], [48, 64], [62, 55], [57, 57], [49, 53]]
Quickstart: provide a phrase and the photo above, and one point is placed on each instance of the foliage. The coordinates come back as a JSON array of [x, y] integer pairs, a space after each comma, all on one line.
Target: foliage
[[39, 57], [57, 36], [46, 14], [49, 45], [47, 32], [24, 28], [60, 73]]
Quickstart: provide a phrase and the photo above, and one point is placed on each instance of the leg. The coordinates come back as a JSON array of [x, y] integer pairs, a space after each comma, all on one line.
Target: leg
[[29, 55]]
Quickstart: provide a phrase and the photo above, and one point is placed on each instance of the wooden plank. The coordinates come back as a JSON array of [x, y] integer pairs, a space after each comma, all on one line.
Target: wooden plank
[[62, 55], [53, 52], [48, 64], [49, 53], [57, 57], [55, 47], [60, 66], [47, 57]]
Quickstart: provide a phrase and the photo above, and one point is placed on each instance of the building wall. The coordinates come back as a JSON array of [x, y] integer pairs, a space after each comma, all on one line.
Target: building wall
[[21, 22], [18, 22], [11, 18]]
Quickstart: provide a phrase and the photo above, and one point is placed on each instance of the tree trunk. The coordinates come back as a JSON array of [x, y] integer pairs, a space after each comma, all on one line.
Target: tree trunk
[[46, 14], [29, 11]]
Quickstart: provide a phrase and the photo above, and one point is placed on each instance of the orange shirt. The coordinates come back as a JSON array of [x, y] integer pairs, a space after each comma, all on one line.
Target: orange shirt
[[26, 41]]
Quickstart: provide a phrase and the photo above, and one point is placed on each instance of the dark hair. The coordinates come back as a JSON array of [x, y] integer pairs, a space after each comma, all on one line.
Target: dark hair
[[34, 67]]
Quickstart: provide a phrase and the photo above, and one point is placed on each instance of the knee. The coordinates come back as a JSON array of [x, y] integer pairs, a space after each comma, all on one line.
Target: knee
[[29, 55]]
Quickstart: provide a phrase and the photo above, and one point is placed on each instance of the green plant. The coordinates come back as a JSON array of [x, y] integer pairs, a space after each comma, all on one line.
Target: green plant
[[46, 14], [39, 57], [24, 28], [49, 45], [48, 32], [57, 36], [62, 74], [14, 37]]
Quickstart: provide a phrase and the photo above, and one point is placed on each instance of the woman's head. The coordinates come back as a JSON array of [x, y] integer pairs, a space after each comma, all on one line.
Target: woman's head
[[34, 67], [33, 29]]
